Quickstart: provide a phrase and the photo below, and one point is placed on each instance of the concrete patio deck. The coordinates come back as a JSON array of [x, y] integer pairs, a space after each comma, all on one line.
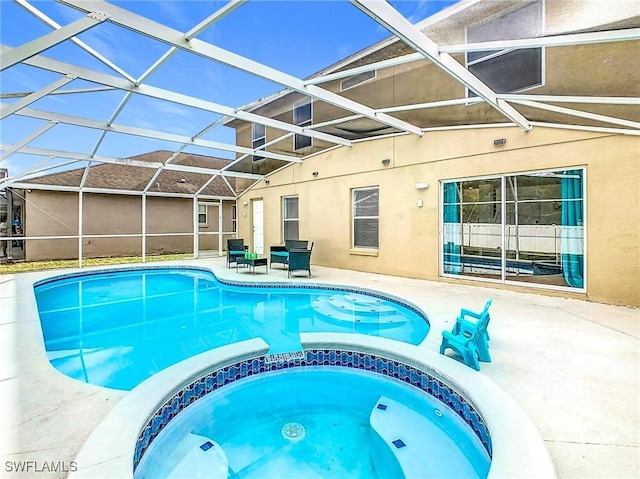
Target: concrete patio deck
[[571, 365]]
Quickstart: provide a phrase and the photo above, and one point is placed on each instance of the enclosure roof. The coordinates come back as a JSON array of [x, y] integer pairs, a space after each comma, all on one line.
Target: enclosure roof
[[89, 88]]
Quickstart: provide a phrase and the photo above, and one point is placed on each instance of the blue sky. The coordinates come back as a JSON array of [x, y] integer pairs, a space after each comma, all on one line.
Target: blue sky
[[297, 37]]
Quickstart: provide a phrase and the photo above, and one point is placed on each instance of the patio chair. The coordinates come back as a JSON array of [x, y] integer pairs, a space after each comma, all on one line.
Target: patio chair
[[300, 260], [280, 254], [469, 319], [235, 249], [469, 338]]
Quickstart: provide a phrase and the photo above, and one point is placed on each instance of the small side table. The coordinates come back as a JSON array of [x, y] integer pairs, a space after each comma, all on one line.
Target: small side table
[[253, 262]]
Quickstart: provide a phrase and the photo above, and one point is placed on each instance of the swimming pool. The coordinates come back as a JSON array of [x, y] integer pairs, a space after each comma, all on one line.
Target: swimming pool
[[116, 328], [317, 421]]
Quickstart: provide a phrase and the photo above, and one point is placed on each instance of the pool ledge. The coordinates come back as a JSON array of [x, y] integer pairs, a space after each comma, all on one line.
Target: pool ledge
[[108, 452], [517, 445]]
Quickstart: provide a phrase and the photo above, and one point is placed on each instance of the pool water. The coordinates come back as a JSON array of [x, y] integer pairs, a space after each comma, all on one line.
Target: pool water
[[117, 328], [336, 427]]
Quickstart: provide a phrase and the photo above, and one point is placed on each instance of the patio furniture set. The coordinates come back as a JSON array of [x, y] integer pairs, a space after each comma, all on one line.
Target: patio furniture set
[[294, 255]]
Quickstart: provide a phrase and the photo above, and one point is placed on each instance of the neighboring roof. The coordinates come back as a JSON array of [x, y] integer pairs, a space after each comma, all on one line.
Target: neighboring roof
[[134, 178]]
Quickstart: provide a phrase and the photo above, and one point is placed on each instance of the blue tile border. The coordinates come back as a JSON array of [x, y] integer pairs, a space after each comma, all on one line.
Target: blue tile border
[[313, 357]]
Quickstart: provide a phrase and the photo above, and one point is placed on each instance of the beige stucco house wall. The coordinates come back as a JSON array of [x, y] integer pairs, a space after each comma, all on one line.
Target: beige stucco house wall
[[410, 235], [459, 145], [54, 213]]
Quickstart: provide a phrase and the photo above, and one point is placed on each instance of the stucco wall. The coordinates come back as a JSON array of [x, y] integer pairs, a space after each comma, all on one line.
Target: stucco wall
[[409, 235], [52, 213]]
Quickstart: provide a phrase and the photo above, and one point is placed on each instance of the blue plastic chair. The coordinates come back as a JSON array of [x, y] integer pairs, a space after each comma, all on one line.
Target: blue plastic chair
[[470, 337]]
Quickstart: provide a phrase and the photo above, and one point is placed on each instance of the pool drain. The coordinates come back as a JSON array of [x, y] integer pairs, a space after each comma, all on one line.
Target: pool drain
[[294, 432]]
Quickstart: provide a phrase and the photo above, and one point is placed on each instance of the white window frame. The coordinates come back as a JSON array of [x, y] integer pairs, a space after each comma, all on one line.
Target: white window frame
[[285, 220], [503, 203], [354, 217], [234, 218], [258, 140], [302, 124], [493, 55], [202, 206]]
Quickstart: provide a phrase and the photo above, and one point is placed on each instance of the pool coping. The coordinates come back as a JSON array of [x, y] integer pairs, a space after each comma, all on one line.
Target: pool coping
[[516, 443]]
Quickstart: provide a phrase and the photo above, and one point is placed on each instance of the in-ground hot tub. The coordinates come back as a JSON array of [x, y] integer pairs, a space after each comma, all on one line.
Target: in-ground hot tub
[[330, 414], [120, 443]]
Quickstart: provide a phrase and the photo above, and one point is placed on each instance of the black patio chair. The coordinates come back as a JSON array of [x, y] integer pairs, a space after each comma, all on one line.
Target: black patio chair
[[300, 260], [280, 254], [235, 249]]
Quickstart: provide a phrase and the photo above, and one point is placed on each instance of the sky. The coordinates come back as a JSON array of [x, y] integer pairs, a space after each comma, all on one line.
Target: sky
[[297, 37]]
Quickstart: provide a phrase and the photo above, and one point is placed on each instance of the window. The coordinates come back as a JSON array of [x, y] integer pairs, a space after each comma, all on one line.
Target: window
[[366, 216], [527, 228], [234, 218], [259, 138], [203, 214], [508, 70], [356, 80], [290, 220], [302, 116]]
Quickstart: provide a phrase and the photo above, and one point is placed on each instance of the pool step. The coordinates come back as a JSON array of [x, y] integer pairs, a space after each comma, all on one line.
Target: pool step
[[204, 459], [357, 308], [420, 447]]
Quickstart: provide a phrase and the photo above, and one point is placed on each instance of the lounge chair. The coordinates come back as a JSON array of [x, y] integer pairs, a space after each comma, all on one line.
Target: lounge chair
[[469, 337], [235, 249], [300, 260], [280, 254]]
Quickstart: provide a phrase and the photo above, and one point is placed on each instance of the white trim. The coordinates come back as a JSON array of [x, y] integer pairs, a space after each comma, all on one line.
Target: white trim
[[432, 104], [51, 39], [143, 204], [143, 132], [195, 225], [80, 211], [26, 140], [291, 220], [578, 113], [41, 16], [167, 95], [206, 214], [570, 39], [353, 217], [597, 129], [230, 7], [130, 162], [8, 109], [600, 100]]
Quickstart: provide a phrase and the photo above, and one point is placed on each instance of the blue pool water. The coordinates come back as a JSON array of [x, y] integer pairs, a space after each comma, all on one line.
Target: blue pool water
[[316, 422], [117, 328]]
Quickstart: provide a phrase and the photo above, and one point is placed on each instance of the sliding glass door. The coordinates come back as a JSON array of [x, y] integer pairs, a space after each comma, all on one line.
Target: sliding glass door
[[527, 228]]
